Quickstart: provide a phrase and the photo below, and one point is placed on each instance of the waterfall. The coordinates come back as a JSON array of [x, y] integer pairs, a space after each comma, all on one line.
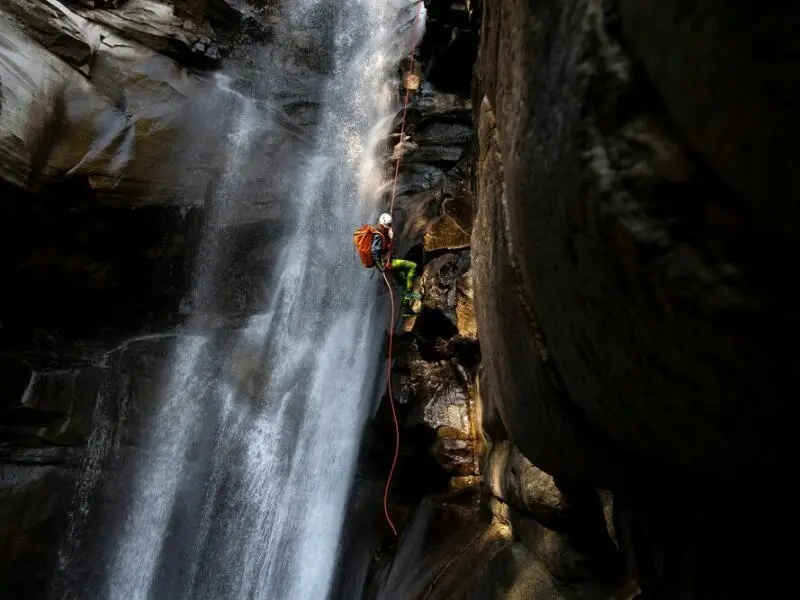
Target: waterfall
[[240, 485]]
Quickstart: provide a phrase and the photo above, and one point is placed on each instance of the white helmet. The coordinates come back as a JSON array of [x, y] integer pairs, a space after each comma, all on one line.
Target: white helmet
[[385, 220]]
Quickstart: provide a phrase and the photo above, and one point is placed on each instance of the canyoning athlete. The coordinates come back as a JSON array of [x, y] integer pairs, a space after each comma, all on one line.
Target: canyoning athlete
[[374, 245]]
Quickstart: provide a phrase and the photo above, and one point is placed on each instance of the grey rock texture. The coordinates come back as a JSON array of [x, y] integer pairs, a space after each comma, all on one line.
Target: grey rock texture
[[635, 310]]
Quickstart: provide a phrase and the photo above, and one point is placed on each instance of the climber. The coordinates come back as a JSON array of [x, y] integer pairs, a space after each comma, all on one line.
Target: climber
[[374, 245]]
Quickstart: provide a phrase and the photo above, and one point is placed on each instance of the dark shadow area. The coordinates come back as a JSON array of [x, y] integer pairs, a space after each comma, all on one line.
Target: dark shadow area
[[450, 46], [76, 268]]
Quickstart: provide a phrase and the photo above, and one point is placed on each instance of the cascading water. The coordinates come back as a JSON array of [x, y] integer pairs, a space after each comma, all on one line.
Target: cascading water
[[239, 490]]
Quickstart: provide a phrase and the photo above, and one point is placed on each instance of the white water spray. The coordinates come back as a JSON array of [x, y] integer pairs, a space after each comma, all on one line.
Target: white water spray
[[241, 489]]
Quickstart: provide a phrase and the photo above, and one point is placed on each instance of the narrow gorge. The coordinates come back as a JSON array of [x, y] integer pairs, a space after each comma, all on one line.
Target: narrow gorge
[[592, 399]]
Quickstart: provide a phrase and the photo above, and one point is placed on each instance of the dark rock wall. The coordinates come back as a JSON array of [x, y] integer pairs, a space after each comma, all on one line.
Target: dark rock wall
[[618, 232], [635, 306], [501, 527], [108, 166], [56, 423], [109, 160]]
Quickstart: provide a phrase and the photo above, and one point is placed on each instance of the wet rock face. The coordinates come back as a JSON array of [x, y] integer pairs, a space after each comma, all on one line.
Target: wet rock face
[[76, 271], [113, 123], [616, 255], [111, 134], [106, 93], [70, 441], [48, 417], [613, 274], [434, 381], [437, 352], [513, 479]]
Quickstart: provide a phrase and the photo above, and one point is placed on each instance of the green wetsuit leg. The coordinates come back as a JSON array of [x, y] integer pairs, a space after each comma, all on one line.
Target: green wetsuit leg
[[406, 269]]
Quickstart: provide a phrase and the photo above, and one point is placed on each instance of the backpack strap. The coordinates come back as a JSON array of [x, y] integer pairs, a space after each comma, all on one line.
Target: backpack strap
[[387, 246]]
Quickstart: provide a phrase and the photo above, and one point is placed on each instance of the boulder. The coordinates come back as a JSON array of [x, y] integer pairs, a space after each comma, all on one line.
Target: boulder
[[433, 105], [435, 390], [156, 26], [118, 129], [620, 258], [625, 299], [513, 479], [457, 452], [440, 279], [443, 133]]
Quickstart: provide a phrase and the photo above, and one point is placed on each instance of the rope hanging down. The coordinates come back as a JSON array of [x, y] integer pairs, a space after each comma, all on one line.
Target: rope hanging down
[[389, 286]]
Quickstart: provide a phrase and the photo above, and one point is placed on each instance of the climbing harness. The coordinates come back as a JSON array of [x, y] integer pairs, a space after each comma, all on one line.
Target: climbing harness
[[391, 291]]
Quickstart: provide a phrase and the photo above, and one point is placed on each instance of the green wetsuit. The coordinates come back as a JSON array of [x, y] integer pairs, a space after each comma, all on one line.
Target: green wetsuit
[[404, 271]]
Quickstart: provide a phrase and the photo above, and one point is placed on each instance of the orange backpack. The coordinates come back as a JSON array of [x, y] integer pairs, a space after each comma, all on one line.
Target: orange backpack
[[362, 239]]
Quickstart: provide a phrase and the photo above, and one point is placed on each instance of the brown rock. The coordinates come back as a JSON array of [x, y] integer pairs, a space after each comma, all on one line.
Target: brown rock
[[411, 81], [441, 281], [457, 456], [445, 234], [529, 490], [465, 310]]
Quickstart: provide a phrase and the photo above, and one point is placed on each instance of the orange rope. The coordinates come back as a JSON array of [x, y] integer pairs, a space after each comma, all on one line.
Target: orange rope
[[405, 105], [389, 286], [394, 412]]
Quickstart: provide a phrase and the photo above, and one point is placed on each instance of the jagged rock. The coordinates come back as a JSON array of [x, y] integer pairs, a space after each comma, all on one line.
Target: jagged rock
[[418, 177], [54, 410], [57, 29], [47, 425], [440, 133], [75, 35], [96, 3], [116, 118], [155, 25], [130, 129], [435, 361], [445, 234], [434, 386], [432, 105]]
